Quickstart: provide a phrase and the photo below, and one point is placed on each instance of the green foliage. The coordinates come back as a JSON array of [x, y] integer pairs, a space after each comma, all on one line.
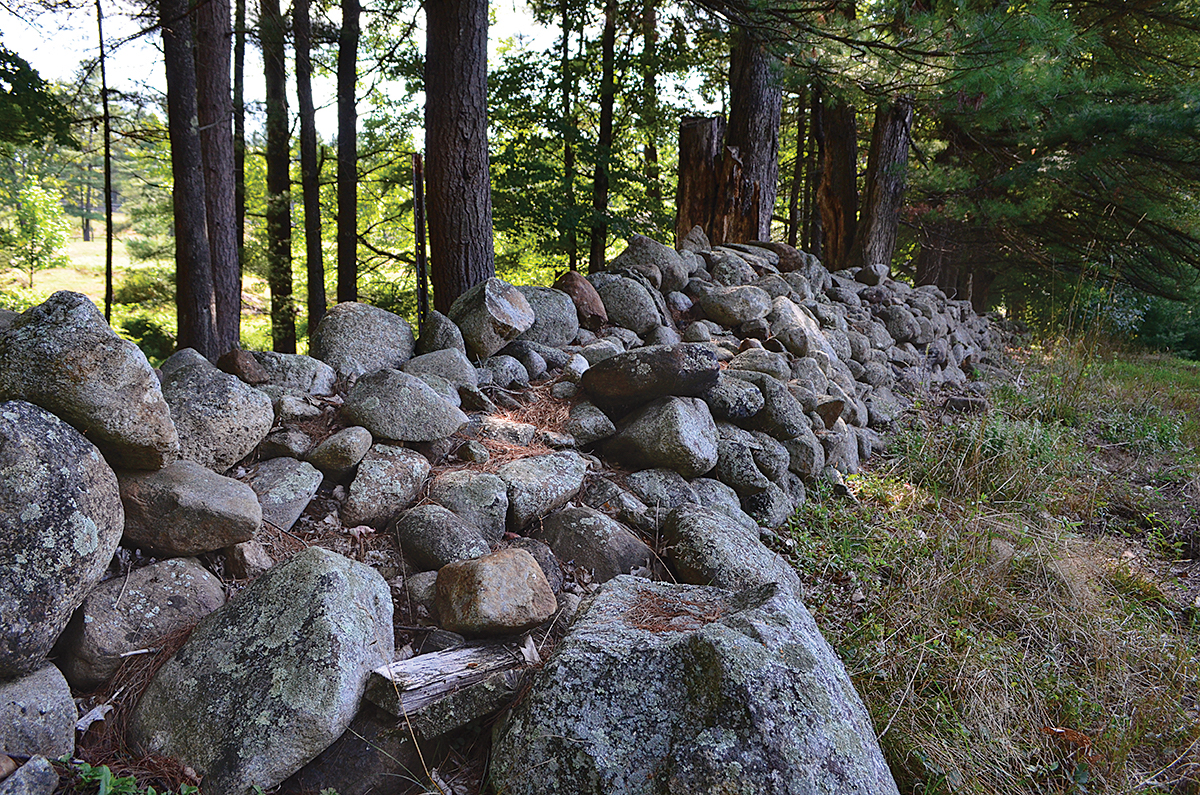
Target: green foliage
[[100, 780], [146, 285], [40, 235], [148, 333], [29, 110]]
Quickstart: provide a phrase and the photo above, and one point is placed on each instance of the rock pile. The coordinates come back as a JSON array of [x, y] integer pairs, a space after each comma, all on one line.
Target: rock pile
[[720, 380]]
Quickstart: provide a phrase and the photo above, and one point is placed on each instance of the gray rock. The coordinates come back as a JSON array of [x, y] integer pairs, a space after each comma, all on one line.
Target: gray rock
[[444, 389], [606, 496], [489, 315], [503, 593], [733, 399], [125, 614], [601, 349], [534, 363], [247, 560], [478, 497], [841, 448], [370, 757], [62, 356], [661, 688], [733, 306], [395, 405], [662, 335], [555, 321], [798, 330], [696, 332], [432, 536], [389, 479], [673, 432], [873, 274], [544, 557], [588, 424], [762, 361], [636, 377], [219, 418], [355, 339], [806, 455], [770, 507], [781, 416], [695, 240], [507, 372], [593, 541], [706, 548], [900, 323], [337, 456], [449, 363], [37, 715], [539, 484], [35, 777], [661, 490], [293, 408], [506, 431], [729, 269], [292, 653], [736, 466], [60, 522], [719, 497], [439, 333], [629, 303], [295, 374], [186, 509], [648, 256], [284, 487], [284, 443]]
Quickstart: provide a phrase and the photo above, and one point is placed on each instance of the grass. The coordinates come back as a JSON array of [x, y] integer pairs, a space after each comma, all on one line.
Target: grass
[[1012, 592]]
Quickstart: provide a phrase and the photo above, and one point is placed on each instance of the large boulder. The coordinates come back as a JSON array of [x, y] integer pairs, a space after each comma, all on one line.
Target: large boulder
[[432, 536], [490, 315], [539, 484], [555, 321], [62, 356], [595, 542], [37, 715], [279, 671], [60, 523], [630, 379], [219, 418], [628, 302], [185, 509], [661, 264], [706, 548], [480, 498], [395, 405], [125, 614], [503, 593], [733, 306], [355, 339], [389, 480], [295, 374], [661, 689], [672, 432]]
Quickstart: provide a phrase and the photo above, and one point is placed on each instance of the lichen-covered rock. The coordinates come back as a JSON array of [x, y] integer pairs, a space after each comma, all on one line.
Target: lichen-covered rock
[[432, 536], [337, 456], [295, 374], [629, 303], [673, 432], [503, 593], [732, 399], [219, 418], [449, 363], [594, 542], [489, 315], [438, 333], [284, 487], [125, 614], [389, 480], [663, 689], [395, 405], [662, 490], [641, 375], [782, 416], [271, 679], [35, 777], [555, 321], [733, 306], [356, 339], [706, 548], [588, 424], [481, 498], [37, 715], [60, 522], [659, 263], [539, 484], [186, 509], [62, 356]]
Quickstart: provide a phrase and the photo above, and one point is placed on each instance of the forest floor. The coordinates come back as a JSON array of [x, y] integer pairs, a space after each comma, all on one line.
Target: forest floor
[[1016, 591]]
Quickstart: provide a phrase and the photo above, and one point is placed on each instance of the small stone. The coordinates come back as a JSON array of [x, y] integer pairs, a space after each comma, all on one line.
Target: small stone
[[432, 536], [337, 456], [37, 715], [247, 560], [503, 593], [284, 487]]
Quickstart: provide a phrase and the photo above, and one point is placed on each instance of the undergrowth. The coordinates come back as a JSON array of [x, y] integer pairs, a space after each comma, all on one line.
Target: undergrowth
[[1006, 587]]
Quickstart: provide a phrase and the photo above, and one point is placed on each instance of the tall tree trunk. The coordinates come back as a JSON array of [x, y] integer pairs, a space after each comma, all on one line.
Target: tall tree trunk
[[600, 182], [700, 149], [239, 131], [837, 195], [570, 220], [279, 199], [347, 165], [215, 110], [814, 235], [794, 218], [458, 189], [310, 177], [887, 164], [755, 104], [194, 300], [649, 109], [108, 204]]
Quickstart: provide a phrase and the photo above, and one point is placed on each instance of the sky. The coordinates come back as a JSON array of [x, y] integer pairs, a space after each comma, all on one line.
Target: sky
[[55, 45]]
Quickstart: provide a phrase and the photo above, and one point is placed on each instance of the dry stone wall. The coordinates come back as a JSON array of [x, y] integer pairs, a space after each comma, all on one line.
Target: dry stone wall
[[681, 401]]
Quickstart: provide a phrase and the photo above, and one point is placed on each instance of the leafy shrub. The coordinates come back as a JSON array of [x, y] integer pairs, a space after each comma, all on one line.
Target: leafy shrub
[[146, 286], [149, 335]]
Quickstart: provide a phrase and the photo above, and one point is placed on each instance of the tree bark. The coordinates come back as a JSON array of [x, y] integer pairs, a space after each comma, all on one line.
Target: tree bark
[[108, 190], [239, 130], [700, 146], [215, 111], [194, 300], [600, 182], [814, 235], [310, 177], [649, 109], [837, 195], [458, 189], [569, 223], [347, 166], [887, 164], [796, 188], [279, 210], [755, 104]]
